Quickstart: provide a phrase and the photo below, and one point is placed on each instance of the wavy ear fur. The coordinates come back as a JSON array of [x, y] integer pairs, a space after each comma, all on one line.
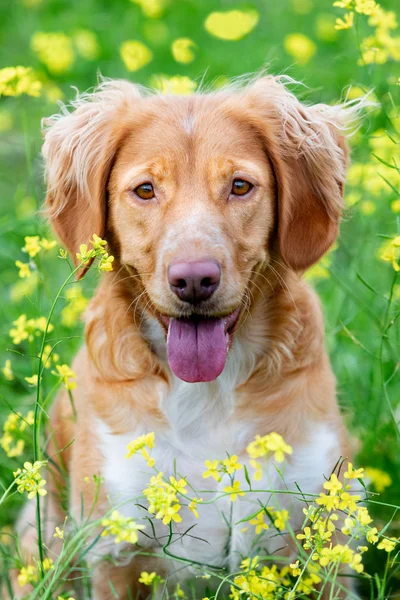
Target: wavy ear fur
[[79, 150], [309, 156]]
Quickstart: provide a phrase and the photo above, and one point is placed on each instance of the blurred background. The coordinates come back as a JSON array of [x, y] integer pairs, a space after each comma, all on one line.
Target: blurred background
[[60, 46]]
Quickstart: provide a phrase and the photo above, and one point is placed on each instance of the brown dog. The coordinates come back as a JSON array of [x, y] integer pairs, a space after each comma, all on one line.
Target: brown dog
[[213, 206]]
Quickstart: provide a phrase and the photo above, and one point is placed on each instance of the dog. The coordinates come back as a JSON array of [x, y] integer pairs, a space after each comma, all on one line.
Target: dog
[[213, 206]]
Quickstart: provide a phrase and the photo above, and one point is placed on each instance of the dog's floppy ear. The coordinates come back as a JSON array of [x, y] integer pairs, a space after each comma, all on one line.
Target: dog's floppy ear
[[79, 150], [309, 157]]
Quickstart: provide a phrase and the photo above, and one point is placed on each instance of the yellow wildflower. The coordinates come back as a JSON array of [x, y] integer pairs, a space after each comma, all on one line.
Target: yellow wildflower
[[86, 44], [124, 529], [32, 245], [148, 578], [234, 490], [15, 81], [49, 356], [30, 480], [193, 506], [142, 444], [163, 500], [12, 441], [77, 303], [27, 575], [24, 270], [47, 244], [387, 544], [333, 485], [353, 473], [270, 443], [232, 25], [7, 370], [105, 263], [176, 86], [365, 7], [372, 535], [295, 569], [346, 23], [259, 522], [151, 8], [59, 533], [54, 50], [135, 55], [300, 47], [26, 329], [65, 373], [182, 50], [280, 518], [212, 470], [232, 464], [379, 479], [32, 380]]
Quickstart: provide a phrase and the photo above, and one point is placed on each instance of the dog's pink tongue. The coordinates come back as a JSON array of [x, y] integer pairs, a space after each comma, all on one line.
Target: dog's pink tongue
[[197, 349]]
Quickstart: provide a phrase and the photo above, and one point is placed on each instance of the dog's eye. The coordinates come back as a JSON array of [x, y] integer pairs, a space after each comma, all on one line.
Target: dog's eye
[[240, 187], [145, 191]]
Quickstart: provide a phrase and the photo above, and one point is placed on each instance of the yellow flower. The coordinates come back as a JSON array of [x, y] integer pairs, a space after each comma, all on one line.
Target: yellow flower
[[387, 544], [346, 23], [147, 578], [47, 244], [333, 485], [30, 480], [296, 571], [379, 479], [193, 506], [365, 7], [232, 25], [140, 445], [212, 470], [234, 490], [32, 380], [390, 252], [12, 441], [135, 55], [54, 50], [372, 535], [179, 486], [15, 81], [232, 464], [27, 575], [368, 207], [280, 518], [300, 47], [395, 205], [105, 263], [77, 303], [86, 44], [176, 86], [271, 443], [124, 529], [49, 356], [26, 329], [182, 50], [65, 373], [163, 500], [59, 533], [32, 245], [353, 473], [24, 270], [259, 522], [151, 8], [7, 370]]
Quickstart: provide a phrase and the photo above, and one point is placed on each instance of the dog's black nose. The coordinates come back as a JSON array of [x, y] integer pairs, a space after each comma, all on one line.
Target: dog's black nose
[[194, 282]]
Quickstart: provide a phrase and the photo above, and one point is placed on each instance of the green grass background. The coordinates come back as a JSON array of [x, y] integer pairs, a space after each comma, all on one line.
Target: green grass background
[[363, 351]]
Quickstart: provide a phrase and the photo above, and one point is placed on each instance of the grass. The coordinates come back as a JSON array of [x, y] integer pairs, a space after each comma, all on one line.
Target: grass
[[360, 291]]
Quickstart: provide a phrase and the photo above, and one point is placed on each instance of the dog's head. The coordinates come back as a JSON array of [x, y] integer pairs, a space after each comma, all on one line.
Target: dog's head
[[195, 195]]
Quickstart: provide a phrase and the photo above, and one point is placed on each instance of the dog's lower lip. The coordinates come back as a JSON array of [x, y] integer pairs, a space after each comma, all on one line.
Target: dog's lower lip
[[230, 319]]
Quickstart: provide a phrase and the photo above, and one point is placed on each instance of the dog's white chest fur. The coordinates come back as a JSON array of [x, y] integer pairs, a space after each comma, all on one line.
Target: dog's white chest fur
[[200, 429]]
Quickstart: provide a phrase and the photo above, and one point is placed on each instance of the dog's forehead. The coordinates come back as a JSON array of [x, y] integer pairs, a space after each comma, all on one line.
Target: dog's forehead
[[177, 129]]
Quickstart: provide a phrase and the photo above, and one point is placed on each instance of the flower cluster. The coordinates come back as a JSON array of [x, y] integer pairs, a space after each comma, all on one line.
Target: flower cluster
[[30, 480], [178, 85], [15, 81], [86, 254], [163, 498], [382, 45], [30, 573], [75, 306], [379, 479], [54, 50], [265, 446], [34, 245], [217, 468], [135, 55], [27, 329], [124, 529], [66, 375], [279, 518], [142, 444], [12, 440]]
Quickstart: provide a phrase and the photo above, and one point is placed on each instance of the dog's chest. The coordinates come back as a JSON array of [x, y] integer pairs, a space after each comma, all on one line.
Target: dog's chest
[[207, 433]]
